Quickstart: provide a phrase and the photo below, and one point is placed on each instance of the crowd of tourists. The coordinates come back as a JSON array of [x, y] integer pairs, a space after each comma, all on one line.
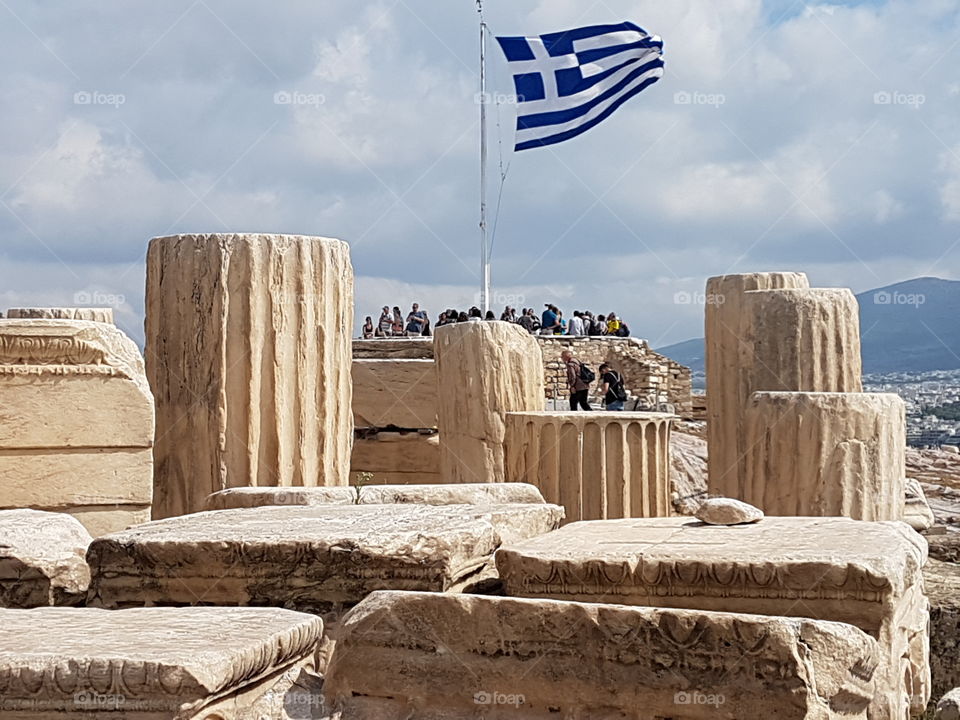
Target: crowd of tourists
[[551, 321]]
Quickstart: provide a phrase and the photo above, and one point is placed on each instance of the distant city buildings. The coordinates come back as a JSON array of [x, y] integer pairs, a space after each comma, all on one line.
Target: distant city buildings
[[922, 392]]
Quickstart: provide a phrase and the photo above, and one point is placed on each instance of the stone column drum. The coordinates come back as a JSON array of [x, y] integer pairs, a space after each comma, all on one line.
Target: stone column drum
[[484, 371], [826, 454], [805, 340], [727, 378], [248, 354], [597, 465]]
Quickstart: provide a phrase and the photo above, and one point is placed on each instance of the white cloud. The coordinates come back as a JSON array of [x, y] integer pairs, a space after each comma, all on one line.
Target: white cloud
[[649, 204]]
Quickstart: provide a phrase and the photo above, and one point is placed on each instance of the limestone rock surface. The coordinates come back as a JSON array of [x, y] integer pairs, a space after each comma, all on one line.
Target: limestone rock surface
[[916, 511], [422, 656], [319, 558], [727, 364], [949, 706], [463, 494], [42, 559], [400, 393], [150, 663], [248, 353], [726, 511], [942, 582], [486, 370], [813, 453], [76, 421], [598, 465], [867, 574], [104, 315]]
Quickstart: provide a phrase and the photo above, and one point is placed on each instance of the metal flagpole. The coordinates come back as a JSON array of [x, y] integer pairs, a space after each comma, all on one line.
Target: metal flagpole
[[484, 257]]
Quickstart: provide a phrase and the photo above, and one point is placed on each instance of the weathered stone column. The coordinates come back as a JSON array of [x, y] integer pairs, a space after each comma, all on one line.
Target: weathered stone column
[[597, 465], [803, 340], [728, 386], [248, 354], [826, 454], [484, 371]]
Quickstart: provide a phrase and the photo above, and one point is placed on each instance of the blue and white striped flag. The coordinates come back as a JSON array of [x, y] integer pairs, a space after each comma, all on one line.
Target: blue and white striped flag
[[567, 82]]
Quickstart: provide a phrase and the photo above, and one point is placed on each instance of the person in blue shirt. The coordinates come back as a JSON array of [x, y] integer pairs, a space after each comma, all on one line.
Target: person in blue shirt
[[550, 320]]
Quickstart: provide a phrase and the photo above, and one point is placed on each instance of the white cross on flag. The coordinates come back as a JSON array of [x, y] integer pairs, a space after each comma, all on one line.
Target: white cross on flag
[[567, 82]]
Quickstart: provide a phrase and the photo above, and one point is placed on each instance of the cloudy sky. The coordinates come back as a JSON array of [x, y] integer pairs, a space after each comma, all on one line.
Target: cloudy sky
[[784, 135]]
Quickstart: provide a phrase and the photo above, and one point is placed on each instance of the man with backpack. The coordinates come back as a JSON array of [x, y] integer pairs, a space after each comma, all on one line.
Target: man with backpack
[[579, 377], [614, 394]]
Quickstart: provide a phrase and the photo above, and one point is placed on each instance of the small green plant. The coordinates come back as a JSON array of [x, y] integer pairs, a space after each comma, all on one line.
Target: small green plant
[[363, 479]]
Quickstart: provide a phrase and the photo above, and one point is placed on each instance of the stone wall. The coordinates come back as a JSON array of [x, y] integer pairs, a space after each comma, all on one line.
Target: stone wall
[[648, 374]]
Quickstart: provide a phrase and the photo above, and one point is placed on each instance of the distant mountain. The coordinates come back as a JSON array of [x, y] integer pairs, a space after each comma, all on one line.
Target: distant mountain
[[688, 352], [912, 326]]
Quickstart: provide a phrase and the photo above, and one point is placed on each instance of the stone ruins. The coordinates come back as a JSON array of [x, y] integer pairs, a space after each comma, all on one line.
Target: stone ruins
[[830, 454], [248, 355], [76, 423], [270, 521], [597, 465], [486, 370], [104, 315]]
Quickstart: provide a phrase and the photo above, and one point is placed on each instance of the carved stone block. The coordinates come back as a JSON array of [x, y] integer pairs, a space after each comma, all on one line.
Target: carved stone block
[[311, 557], [76, 420], [421, 656], [201, 663], [248, 353], [461, 494], [399, 393], [866, 574], [397, 458], [597, 465], [104, 315], [42, 559], [826, 454], [485, 370], [728, 381]]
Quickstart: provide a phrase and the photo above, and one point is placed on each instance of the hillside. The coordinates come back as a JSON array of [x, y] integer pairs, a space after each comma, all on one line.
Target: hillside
[[912, 326]]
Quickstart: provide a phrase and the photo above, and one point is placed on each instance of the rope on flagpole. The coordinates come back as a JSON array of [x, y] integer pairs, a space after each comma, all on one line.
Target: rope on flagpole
[[503, 171]]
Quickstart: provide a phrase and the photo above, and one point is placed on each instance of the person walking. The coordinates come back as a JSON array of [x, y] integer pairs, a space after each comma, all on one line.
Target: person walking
[[579, 377], [614, 394]]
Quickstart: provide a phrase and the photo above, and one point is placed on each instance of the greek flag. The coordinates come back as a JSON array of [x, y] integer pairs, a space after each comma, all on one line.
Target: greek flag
[[567, 82]]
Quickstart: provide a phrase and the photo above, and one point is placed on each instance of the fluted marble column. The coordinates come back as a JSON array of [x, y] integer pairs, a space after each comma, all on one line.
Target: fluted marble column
[[728, 377], [248, 354], [598, 465], [484, 371], [826, 454]]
